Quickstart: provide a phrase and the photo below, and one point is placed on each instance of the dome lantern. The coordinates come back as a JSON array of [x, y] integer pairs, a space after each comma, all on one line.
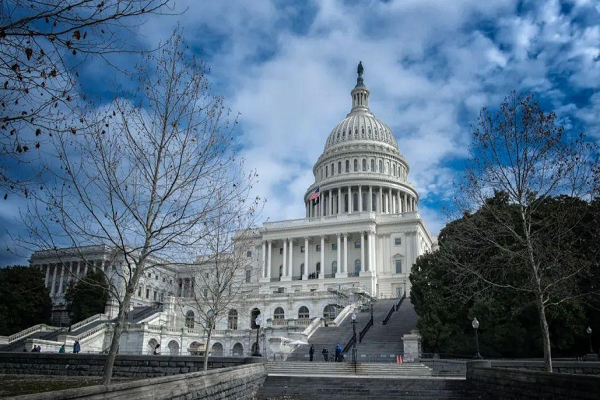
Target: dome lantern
[[360, 93]]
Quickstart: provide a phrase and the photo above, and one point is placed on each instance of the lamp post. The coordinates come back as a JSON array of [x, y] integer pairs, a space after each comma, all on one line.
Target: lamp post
[[257, 321], [354, 340], [475, 325], [589, 332]]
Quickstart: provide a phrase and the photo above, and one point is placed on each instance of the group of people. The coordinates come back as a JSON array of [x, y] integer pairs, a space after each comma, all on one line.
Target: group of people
[[35, 349], [339, 357], [76, 348]]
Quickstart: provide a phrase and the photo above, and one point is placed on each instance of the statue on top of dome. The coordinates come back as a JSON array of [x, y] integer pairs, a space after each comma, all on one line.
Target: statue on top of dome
[[360, 68]]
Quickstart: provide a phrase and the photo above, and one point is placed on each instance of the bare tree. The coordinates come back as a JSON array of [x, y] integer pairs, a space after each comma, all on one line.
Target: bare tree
[[150, 184], [42, 45], [225, 265], [521, 153]]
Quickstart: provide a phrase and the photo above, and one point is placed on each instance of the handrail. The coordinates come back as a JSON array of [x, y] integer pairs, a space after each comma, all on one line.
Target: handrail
[[389, 314], [87, 321], [30, 330], [349, 344], [364, 331]]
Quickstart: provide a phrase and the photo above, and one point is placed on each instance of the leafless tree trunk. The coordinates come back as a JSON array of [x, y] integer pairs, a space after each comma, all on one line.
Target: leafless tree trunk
[[150, 181], [521, 152], [42, 45]]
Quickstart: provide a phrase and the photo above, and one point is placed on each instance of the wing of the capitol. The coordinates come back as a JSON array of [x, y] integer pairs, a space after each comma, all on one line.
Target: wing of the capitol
[[361, 234]]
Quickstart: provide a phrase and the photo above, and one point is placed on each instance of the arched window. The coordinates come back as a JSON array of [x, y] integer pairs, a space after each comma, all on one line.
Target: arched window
[[339, 167], [372, 167], [253, 314], [303, 313], [347, 165], [355, 201], [279, 313], [326, 171], [332, 169], [189, 320], [387, 170], [380, 167], [329, 312], [364, 165], [217, 350], [394, 170], [364, 201], [355, 165], [357, 266], [232, 319], [238, 350], [346, 202], [374, 202]]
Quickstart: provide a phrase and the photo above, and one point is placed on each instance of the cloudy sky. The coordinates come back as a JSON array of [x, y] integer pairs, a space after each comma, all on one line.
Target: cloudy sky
[[288, 66]]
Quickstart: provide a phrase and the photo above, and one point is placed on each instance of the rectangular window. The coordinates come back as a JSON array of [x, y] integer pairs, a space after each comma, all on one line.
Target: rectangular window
[[281, 250], [397, 241], [248, 274], [205, 293], [333, 246], [318, 247], [301, 249], [139, 292], [357, 245], [398, 266], [154, 296], [248, 253], [280, 290], [147, 293]]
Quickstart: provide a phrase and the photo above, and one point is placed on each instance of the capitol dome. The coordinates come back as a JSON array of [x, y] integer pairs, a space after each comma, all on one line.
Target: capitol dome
[[361, 168]]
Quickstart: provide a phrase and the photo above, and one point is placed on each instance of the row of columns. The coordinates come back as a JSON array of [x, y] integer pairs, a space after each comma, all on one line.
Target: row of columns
[[342, 256], [185, 287], [387, 201], [63, 273]]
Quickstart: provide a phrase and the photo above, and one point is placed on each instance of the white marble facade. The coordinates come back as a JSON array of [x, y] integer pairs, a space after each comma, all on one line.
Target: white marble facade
[[358, 239]]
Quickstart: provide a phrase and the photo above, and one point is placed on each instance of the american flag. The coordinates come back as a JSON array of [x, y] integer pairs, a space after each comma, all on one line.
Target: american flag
[[314, 195]]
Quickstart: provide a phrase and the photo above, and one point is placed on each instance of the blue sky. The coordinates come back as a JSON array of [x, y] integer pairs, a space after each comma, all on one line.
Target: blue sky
[[288, 66]]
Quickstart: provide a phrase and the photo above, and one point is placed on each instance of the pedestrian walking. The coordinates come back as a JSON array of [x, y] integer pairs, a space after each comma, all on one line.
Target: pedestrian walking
[[76, 347], [62, 349], [311, 352], [325, 353], [157, 349]]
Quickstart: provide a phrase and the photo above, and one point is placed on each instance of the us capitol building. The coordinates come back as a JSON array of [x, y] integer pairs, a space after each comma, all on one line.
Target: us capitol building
[[358, 240]]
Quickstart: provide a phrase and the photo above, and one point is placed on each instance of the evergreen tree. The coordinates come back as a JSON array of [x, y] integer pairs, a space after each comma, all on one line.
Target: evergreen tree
[[87, 296], [24, 299]]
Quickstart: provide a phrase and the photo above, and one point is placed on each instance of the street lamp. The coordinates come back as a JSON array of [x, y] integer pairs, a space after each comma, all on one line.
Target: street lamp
[[475, 325], [589, 332], [257, 321], [354, 337]]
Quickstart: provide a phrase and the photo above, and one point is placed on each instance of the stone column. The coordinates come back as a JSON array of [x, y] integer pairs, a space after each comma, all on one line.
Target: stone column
[[284, 263], [362, 252], [307, 209], [270, 255], [405, 203], [53, 279], [62, 276], [339, 254], [370, 199], [380, 200], [306, 249], [387, 202], [374, 254], [340, 205], [398, 202], [264, 259], [360, 201], [322, 274], [345, 269], [349, 199], [290, 270], [85, 268], [330, 202], [47, 278], [370, 255]]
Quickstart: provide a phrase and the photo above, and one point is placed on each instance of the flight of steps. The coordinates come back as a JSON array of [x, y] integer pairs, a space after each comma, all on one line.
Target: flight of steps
[[383, 343], [347, 369], [329, 337], [352, 388]]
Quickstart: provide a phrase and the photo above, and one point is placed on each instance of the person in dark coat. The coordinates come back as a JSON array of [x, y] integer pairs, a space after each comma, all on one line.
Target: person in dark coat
[[338, 353], [76, 347], [311, 351], [325, 353]]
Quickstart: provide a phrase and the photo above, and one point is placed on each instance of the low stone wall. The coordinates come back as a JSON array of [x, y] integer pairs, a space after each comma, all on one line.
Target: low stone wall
[[446, 367], [563, 367], [125, 365], [232, 383], [509, 384]]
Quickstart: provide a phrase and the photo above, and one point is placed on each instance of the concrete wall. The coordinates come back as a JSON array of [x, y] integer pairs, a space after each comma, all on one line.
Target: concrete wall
[[240, 382], [125, 365], [508, 384]]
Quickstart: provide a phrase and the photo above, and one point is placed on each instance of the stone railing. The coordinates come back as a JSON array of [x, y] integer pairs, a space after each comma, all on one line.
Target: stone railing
[[504, 383], [312, 328], [88, 320], [303, 322], [342, 315], [30, 330]]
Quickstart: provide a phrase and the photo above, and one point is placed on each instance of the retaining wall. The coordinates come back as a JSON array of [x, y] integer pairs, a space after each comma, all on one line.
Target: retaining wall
[[141, 366], [232, 383], [509, 384]]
